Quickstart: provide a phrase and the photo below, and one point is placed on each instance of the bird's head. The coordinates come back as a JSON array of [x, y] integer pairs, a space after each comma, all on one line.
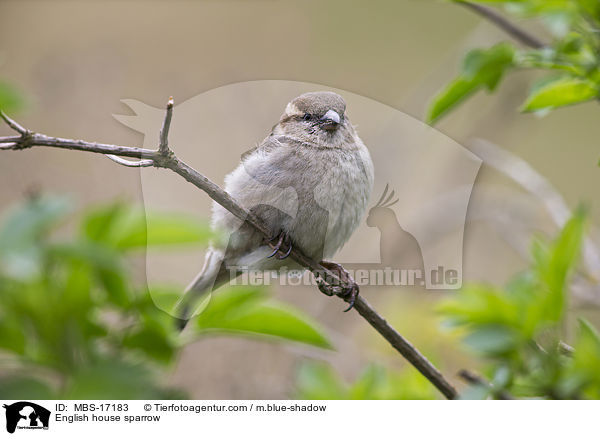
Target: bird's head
[[317, 118]]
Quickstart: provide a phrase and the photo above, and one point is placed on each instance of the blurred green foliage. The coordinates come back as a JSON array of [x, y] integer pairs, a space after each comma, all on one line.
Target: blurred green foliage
[[519, 328], [571, 59], [248, 310], [73, 323], [10, 99], [320, 381]]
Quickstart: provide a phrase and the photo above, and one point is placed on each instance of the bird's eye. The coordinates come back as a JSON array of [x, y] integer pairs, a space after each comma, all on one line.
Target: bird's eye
[[306, 117]]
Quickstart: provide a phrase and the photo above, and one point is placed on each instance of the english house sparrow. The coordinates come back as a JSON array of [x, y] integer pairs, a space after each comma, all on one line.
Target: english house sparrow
[[309, 181]]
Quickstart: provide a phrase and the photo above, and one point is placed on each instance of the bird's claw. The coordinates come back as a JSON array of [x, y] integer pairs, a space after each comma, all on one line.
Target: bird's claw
[[282, 238], [324, 287], [348, 290], [350, 296]]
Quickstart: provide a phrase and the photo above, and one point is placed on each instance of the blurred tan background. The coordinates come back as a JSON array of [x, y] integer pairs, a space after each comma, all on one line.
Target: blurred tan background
[[75, 61]]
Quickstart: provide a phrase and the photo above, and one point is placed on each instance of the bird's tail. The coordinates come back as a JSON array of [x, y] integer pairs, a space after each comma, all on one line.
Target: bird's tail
[[197, 295]]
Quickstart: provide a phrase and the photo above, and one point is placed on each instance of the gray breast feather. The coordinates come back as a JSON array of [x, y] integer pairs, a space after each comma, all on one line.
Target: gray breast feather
[[318, 196]]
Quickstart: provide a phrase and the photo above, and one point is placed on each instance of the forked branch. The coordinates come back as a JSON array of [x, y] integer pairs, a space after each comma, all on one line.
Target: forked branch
[[163, 157]]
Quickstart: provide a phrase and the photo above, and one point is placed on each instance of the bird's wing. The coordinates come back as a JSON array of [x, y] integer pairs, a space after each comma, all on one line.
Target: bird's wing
[[269, 144]]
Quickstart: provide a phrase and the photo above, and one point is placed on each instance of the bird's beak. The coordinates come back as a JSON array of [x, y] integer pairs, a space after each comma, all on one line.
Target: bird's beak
[[331, 120]]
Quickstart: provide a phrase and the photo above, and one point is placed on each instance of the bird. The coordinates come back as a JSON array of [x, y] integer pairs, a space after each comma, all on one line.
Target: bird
[[309, 182]]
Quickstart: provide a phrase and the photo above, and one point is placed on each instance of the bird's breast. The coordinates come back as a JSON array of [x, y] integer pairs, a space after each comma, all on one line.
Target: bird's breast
[[332, 201], [317, 196]]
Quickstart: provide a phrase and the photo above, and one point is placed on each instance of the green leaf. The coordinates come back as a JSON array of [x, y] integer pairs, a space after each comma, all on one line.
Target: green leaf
[[583, 377], [154, 338], [554, 266], [517, 328], [475, 392], [481, 69], [245, 310], [79, 320], [566, 249], [98, 224], [104, 264], [589, 332], [368, 383], [450, 97], [481, 304], [228, 300], [488, 66], [12, 337], [18, 387], [168, 229], [22, 230], [502, 377], [587, 346], [164, 298], [30, 221], [126, 228], [561, 92], [112, 380], [493, 1], [10, 99], [275, 320], [590, 7], [491, 339], [406, 384], [318, 381]]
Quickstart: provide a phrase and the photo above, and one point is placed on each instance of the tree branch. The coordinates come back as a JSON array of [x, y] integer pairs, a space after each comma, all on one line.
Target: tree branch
[[129, 163], [163, 145], [165, 158], [14, 125], [475, 379], [512, 29]]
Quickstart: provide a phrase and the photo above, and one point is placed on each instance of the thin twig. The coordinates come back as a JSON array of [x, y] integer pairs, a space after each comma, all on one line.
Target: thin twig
[[565, 349], [31, 139], [562, 347], [4, 139], [13, 124], [163, 145], [512, 29], [129, 163], [475, 379], [164, 158]]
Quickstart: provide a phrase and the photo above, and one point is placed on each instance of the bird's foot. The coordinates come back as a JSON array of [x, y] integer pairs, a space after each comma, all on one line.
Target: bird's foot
[[283, 239], [346, 289]]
